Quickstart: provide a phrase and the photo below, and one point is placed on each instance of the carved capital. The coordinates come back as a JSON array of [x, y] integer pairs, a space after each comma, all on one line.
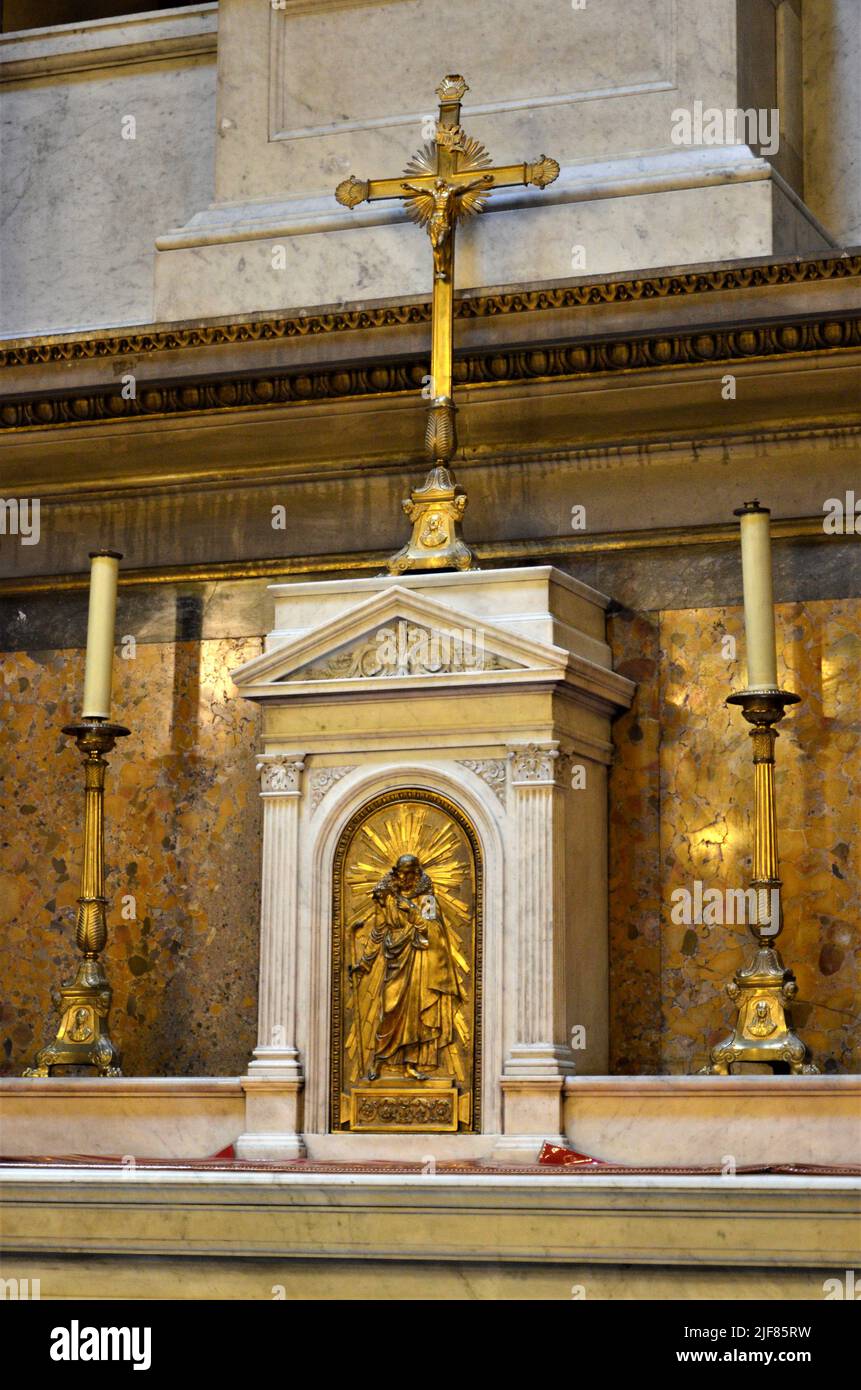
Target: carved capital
[[534, 764], [280, 774]]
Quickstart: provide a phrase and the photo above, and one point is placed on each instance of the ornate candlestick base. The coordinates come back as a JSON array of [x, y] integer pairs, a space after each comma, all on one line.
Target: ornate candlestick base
[[82, 1038], [763, 989]]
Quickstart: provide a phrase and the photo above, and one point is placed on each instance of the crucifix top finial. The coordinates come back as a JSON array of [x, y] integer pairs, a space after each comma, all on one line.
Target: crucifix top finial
[[447, 180], [452, 88]]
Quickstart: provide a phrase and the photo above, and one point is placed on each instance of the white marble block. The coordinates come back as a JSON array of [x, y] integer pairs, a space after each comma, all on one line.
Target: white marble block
[[309, 94], [520, 742], [107, 129]]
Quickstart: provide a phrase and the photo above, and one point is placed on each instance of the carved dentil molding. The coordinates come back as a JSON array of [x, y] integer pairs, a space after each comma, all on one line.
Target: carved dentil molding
[[235, 392], [549, 298], [41, 408]]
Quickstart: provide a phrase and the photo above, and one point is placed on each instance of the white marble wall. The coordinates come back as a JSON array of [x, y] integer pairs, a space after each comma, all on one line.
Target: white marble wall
[[832, 115], [339, 84], [182, 221], [80, 206], [311, 93], [224, 272]]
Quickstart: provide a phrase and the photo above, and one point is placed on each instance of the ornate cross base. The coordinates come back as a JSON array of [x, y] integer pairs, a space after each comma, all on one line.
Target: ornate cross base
[[762, 991], [82, 1038], [435, 511]]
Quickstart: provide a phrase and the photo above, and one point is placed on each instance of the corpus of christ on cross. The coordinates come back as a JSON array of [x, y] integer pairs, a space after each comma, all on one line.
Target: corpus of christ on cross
[[444, 182]]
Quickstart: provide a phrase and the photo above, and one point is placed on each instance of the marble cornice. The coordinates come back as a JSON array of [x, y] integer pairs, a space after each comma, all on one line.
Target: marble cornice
[[481, 1217], [158, 338], [232, 390], [77, 1088], [114, 41]]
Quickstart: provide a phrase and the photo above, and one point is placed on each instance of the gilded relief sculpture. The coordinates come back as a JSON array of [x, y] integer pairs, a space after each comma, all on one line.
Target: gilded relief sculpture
[[413, 1009], [407, 952]]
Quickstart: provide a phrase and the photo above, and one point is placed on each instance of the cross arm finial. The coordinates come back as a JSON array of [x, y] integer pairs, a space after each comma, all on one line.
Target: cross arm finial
[[352, 191], [545, 170], [452, 88]]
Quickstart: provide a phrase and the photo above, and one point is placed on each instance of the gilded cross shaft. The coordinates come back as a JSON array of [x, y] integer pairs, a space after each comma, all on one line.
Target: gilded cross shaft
[[447, 180]]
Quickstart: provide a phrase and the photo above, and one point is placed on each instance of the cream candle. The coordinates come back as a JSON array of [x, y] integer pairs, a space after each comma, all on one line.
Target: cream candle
[[100, 633], [758, 596]]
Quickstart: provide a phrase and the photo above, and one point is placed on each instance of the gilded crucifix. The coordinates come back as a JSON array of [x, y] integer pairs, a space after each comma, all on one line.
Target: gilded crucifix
[[447, 180]]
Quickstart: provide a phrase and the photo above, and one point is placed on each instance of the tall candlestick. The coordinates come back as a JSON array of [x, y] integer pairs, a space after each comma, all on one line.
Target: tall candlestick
[[83, 1037], [763, 990], [100, 633], [758, 596]]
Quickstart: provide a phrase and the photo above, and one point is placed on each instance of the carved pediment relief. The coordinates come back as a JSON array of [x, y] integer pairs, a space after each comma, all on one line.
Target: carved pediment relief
[[401, 647]]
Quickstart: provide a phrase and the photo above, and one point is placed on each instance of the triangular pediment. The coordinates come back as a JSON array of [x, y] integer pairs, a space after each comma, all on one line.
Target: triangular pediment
[[399, 634]]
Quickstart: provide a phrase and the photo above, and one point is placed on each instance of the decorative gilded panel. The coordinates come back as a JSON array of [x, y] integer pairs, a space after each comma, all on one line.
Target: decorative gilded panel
[[406, 967]]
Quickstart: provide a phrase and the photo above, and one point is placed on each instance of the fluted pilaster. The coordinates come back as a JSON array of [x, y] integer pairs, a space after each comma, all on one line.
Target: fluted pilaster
[[281, 791], [538, 796]]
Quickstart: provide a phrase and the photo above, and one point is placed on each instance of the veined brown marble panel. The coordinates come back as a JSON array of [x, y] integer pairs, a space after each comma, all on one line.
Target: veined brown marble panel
[[635, 870], [687, 807], [183, 837]]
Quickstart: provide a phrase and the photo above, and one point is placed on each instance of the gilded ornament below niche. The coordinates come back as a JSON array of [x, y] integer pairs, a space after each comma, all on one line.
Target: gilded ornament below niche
[[406, 967]]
